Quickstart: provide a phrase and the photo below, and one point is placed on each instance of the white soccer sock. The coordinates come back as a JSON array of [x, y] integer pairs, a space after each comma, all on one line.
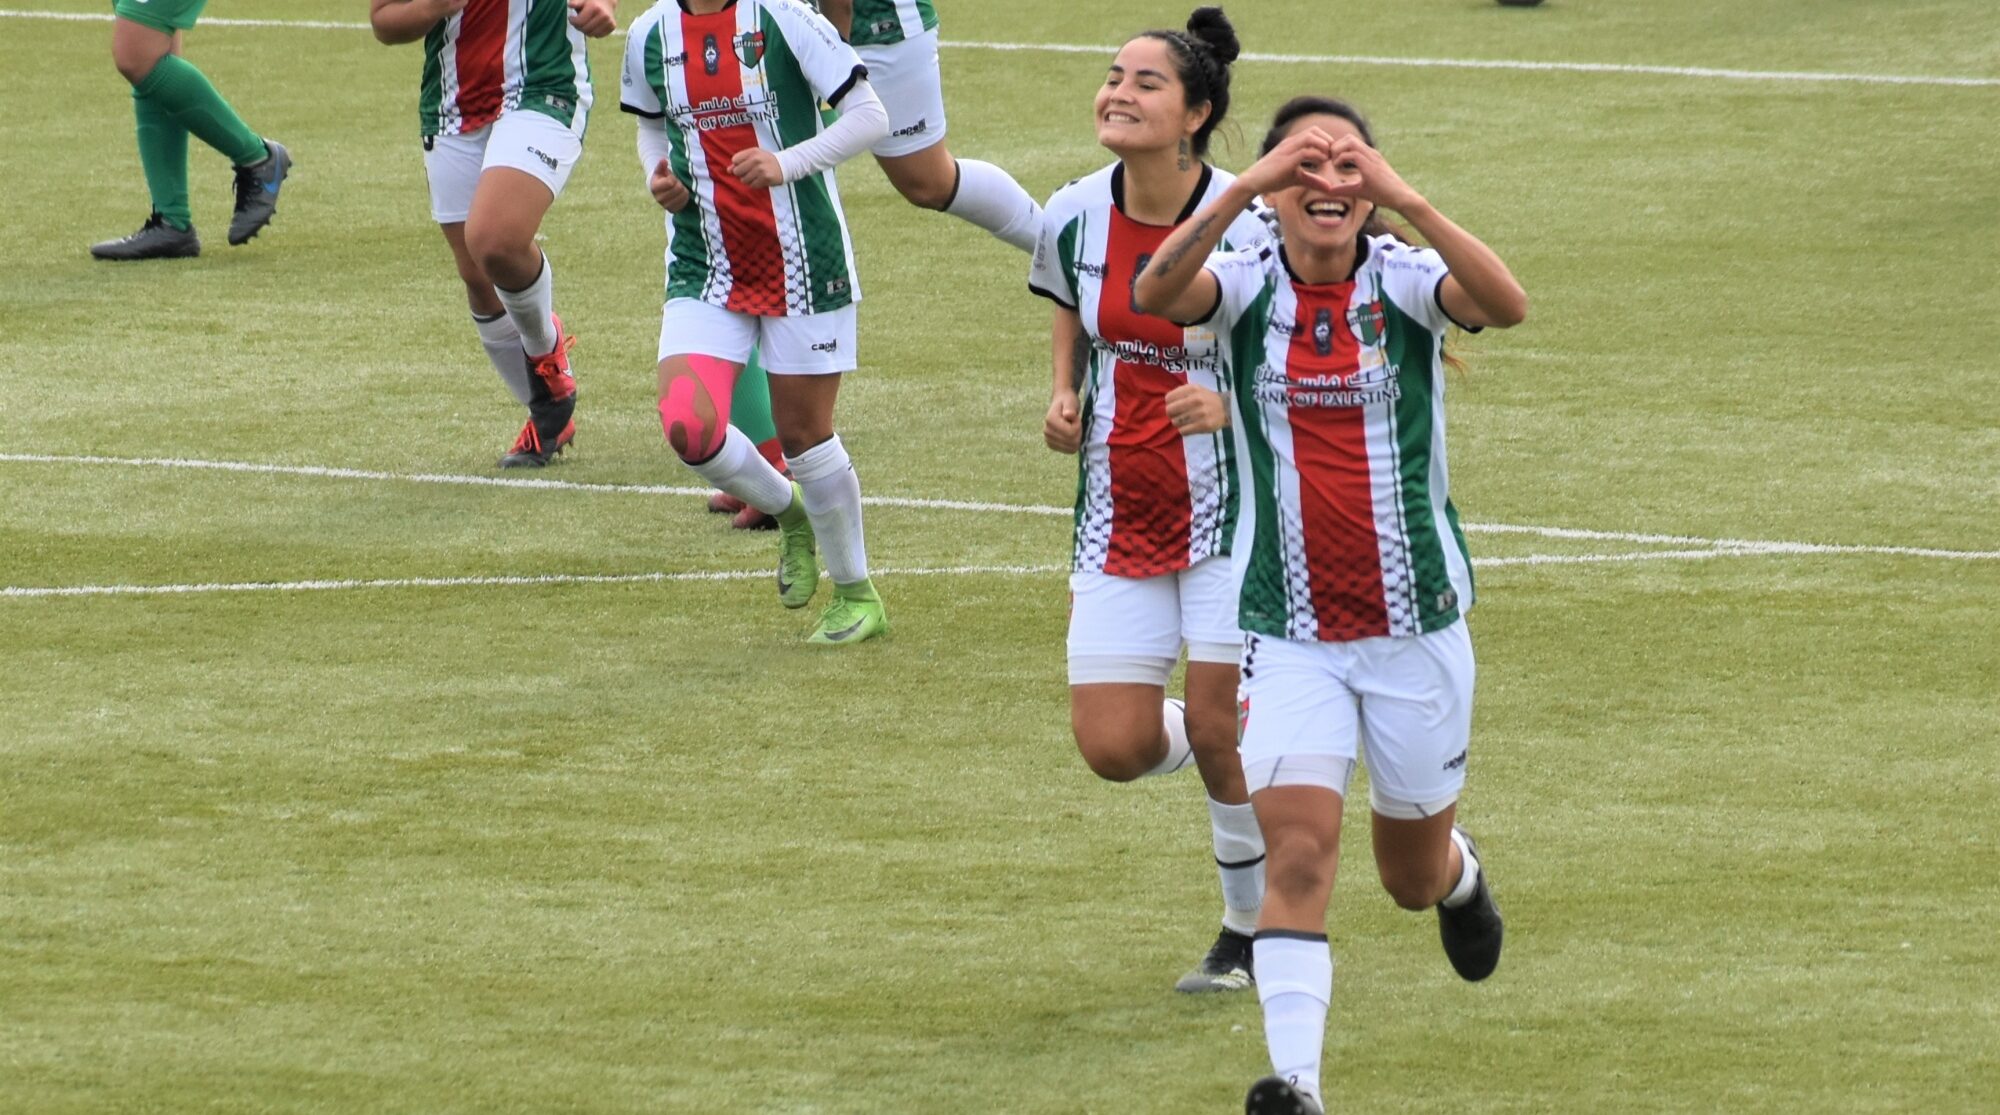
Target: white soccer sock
[[832, 494], [1179, 751], [502, 343], [1295, 984], [990, 198], [1239, 857], [737, 468], [533, 310], [1468, 874]]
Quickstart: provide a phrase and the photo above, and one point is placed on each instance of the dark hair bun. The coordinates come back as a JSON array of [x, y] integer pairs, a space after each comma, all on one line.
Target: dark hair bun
[[1214, 30]]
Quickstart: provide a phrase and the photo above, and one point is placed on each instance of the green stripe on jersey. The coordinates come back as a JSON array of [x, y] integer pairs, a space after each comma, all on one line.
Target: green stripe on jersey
[[1411, 348], [829, 277], [549, 77], [687, 272], [882, 22], [1265, 605], [431, 98]]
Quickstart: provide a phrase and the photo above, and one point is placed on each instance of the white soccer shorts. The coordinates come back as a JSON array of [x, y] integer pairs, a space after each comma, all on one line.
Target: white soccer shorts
[[905, 75], [527, 141], [801, 345], [1131, 629], [1401, 705]]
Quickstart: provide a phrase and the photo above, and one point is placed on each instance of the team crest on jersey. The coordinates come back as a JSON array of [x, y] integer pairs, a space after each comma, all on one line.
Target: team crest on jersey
[[1367, 321], [711, 56], [1323, 331], [750, 48]]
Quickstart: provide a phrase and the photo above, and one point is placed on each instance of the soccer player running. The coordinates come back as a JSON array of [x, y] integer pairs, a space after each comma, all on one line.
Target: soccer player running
[[1355, 579], [172, 100], [1155, 511], [505, 97], [898, 42], [758, 257]]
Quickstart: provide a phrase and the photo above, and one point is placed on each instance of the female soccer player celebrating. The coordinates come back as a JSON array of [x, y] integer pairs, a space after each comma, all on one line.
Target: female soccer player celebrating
[[506, 94], [1154, 510], [1355, 579], [728, 92]]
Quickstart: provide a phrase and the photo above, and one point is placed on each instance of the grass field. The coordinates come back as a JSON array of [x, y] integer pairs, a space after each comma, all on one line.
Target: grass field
[[562, 844]]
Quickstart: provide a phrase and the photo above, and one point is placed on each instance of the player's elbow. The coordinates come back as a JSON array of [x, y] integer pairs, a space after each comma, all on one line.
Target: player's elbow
[[1510, 311], [1151, 296]]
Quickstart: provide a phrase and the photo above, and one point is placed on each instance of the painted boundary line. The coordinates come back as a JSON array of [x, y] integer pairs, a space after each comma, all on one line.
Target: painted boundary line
[[1281, 59], [1721, 547], [479, 582]]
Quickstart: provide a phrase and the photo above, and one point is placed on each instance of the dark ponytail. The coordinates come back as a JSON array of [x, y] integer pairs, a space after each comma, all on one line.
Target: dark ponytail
[[1202, 55]]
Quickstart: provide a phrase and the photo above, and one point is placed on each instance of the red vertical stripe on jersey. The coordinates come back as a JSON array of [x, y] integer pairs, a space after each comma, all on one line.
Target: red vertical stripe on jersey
[[749, 224], [1336, 491], [1151, 510], [482, 68]]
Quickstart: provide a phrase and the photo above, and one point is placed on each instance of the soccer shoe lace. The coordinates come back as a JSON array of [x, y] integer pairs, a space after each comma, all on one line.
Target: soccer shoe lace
[[257, 192], [531, 451], [851, 618], [1227, 967], [552, 367]]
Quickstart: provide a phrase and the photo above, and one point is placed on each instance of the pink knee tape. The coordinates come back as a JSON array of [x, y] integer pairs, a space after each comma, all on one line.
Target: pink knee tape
[[694, 413]]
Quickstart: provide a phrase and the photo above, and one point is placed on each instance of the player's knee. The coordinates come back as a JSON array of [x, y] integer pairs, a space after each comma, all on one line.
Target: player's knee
[[1413, 888], [499, 254], [688, 418], [1298, 866], [134, 67], [1211, 730], [1115, 756], [927, 192]]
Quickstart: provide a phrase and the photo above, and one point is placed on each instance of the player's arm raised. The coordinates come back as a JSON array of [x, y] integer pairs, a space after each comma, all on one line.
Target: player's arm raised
[[1174, 285], [1480, 291], [406, 21]]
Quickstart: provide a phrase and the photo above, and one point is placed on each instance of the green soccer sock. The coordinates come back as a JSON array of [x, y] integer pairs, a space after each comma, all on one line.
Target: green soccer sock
[[183, 93], [750, 405], [163, 153]]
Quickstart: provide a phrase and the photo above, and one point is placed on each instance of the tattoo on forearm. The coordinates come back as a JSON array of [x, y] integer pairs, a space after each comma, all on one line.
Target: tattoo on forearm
[[1169, 262]]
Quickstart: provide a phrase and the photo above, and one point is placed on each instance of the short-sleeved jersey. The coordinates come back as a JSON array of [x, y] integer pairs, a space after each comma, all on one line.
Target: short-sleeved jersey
[[1349, 531], [1148, 500], [751, 75], [498, 56], [881, 22]]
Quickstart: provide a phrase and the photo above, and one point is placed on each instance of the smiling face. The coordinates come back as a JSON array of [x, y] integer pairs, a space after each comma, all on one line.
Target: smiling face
[[1142, 105], [1311, 218]]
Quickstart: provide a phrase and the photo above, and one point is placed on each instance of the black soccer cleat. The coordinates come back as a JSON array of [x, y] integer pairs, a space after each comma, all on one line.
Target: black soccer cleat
[[156, 239], [1227, 967], [532, 450], [257, 192], [1274, 1095], [1472, 932]]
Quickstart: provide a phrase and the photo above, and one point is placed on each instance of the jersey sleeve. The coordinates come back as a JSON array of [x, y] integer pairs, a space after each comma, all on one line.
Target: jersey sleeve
[[636, 94], [1240, 277], [1413, 279], [1052, 273], [831, 66], [1248, 232]]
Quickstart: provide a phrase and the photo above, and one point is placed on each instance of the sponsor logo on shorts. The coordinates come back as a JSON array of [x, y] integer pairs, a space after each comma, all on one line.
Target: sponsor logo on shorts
[[828, 347], [1455, 762], [547, 159], [916, 129]]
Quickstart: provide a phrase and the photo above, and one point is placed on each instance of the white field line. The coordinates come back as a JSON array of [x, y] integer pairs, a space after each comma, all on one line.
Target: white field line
[[1746, 545], [479, 582], [1298, 59]]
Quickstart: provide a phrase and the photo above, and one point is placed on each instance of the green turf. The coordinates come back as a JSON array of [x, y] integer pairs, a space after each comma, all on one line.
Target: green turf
[[634, 847]]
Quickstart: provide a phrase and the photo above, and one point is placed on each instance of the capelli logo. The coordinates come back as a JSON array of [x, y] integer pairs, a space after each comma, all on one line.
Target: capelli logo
[[828, 347]]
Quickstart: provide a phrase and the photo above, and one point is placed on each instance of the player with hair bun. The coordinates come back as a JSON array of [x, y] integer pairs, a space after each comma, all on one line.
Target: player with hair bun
[[1155, 512], [728, 96], [1355, 579]]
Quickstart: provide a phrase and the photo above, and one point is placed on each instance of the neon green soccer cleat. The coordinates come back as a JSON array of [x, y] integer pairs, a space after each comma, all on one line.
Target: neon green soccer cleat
[[798, 568], [855, 613]]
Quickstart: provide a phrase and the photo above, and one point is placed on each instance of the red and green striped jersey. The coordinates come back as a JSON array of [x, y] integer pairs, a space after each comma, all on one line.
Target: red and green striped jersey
[[497, 56], [751, 75], [881, 22], [1349, 531], [1148, 500]]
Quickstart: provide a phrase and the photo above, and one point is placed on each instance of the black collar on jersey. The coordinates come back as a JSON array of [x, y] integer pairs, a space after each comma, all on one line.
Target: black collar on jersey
[[1188, 210], [724, 8], [1361, 247]]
